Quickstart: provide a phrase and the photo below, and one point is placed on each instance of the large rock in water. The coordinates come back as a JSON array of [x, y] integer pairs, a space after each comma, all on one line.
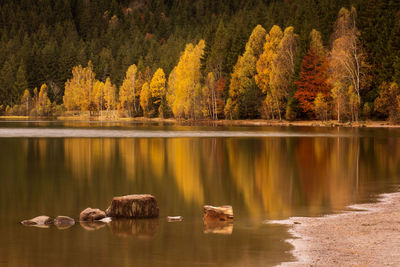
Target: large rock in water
[[223, 213], [90, 215], [39, 220], [133, 206]]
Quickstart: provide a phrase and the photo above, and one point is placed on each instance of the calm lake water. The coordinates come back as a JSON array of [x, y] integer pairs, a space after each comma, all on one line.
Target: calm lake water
[[265, 173]]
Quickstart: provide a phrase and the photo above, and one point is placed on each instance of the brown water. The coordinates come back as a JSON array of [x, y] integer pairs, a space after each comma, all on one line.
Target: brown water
[[264, 173]]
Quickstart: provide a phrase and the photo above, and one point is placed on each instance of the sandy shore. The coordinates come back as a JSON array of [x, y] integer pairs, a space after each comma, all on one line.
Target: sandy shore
[[369, 236]]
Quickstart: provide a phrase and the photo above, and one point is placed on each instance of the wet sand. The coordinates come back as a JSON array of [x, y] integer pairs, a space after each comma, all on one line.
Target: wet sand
[[369, 236]]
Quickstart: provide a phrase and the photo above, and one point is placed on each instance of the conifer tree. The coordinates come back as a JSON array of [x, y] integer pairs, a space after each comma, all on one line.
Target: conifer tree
[[244, 97]]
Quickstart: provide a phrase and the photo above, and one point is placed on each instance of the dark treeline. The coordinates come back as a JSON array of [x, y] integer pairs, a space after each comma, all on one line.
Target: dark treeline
[[42, 40]]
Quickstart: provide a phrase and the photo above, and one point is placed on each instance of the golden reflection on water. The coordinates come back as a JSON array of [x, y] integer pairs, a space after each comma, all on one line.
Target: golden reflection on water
[[262, 178], [271, 176]]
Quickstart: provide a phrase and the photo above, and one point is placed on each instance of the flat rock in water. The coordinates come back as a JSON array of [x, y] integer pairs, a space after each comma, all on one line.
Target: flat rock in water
[[63, 222], [39, 220], [223, 213], [133, 206], [90, 214]]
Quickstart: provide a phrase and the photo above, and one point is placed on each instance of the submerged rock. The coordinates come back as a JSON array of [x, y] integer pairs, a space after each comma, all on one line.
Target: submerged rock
[[223, 213], [133, 206], [90, 214], [38, 221], [63, 222], [174, 218]]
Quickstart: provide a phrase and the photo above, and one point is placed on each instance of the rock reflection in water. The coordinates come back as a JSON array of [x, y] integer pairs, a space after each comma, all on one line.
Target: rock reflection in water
[[92, 226], [218, 227], [140, 228]]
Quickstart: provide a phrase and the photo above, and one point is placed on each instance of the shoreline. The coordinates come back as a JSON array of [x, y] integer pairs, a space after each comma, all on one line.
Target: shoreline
[[255, 122], [367, 235]]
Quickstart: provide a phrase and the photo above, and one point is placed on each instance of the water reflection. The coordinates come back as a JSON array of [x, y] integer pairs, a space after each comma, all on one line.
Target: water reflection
[[218, 227], [262, 178], [141, 228]]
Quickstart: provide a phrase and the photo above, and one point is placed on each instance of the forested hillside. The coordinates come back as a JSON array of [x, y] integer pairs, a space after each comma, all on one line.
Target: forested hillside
[[202, 58]]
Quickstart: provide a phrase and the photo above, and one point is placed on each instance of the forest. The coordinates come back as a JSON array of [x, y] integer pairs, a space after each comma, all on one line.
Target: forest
[[201, 59]]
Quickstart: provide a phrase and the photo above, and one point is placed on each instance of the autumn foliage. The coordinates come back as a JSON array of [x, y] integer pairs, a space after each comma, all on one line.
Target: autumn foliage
[[312, 80]]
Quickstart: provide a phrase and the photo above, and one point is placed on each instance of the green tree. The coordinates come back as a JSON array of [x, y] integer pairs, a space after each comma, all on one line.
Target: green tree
[[243, 93]]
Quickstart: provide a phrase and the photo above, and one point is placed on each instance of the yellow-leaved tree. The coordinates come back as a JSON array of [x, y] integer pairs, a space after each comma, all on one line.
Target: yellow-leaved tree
[[98, 96], [128, 95], [43, 105], [145, 99], [158, 93], [281, 76], [109, 95], [185, 89], [78, 89], [264, 67], [346, 62]]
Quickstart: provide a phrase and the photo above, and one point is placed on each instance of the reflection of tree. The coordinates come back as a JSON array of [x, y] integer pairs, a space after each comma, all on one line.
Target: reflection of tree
[[270, 177]]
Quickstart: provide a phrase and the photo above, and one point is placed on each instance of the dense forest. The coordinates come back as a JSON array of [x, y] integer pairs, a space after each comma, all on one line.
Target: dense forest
[[282, 59]]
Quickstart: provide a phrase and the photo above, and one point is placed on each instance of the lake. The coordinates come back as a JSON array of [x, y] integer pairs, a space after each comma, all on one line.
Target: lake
[[265, 173]]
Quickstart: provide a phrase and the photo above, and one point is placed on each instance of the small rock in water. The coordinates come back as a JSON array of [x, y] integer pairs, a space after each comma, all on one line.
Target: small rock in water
[[133, 206], [90, 214], [174, 218], [38, 221], [63, 222], [223, 213]]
